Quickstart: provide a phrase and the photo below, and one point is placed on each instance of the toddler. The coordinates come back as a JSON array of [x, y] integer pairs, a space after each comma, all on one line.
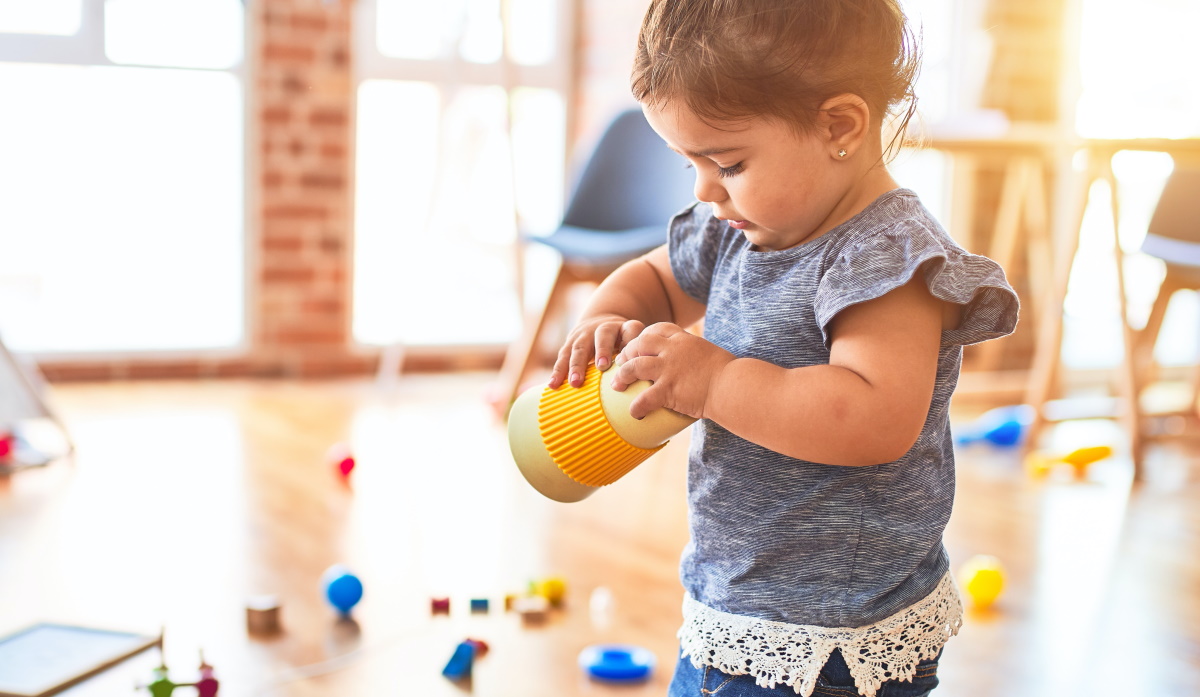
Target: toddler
[[835, 309]]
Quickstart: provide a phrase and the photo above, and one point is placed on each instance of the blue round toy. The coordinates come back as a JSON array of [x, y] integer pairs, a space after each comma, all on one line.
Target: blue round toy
[[617, 662], [343, 589]]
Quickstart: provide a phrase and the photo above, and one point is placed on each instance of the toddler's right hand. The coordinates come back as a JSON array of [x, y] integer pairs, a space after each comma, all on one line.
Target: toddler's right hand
[[595, 337]]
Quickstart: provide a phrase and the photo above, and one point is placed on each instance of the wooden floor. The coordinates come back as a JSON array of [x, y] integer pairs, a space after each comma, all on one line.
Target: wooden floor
[[187, 498]]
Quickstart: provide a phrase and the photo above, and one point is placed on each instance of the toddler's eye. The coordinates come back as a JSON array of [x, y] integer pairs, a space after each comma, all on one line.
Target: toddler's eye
[[731, 171]]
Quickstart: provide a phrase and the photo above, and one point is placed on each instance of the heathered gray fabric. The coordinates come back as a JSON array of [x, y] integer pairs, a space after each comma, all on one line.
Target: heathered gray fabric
[[788, 540]]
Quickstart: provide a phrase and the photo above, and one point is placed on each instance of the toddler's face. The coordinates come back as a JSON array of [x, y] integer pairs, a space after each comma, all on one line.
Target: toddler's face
[[781, 189]]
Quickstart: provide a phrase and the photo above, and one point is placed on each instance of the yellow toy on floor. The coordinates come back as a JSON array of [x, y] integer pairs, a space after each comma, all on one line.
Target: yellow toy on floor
[[1039, 464], [571, 441], [982, 577]]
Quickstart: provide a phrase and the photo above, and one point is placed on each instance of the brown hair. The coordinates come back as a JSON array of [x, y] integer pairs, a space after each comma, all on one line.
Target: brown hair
[[729, 60]]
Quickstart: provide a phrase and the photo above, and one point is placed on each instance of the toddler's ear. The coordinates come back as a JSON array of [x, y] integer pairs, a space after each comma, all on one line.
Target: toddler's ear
[[845, 120]]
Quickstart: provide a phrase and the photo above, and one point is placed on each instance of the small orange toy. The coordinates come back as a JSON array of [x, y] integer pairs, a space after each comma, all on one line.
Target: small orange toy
[[1039, 464]]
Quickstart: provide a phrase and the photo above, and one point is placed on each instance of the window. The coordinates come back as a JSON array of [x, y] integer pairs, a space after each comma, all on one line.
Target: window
[[1136, 78], [121, 175], [441, 179]]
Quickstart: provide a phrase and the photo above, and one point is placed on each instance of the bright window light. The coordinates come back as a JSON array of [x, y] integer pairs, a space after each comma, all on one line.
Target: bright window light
[[55, 17], [435, 230], [121, 214], [1139, 69], [469, 29], [174, 33]]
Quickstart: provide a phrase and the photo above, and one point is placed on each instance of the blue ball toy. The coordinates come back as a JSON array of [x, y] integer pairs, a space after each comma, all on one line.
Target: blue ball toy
[[343, 589]]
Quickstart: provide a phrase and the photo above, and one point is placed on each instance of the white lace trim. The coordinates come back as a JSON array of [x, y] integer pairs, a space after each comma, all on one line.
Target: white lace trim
[[793, 654]]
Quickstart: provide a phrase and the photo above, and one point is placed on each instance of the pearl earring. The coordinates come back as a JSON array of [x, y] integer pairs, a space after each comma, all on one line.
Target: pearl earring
[[842, 152]]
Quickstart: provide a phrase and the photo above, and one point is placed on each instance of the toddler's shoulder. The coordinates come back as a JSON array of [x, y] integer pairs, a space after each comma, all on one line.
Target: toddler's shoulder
[[897, 240]]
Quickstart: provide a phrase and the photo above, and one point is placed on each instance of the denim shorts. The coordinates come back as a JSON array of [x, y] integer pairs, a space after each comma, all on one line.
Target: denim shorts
[[834, 681]]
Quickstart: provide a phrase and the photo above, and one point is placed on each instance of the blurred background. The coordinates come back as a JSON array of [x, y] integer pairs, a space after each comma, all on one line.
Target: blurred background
[[284, 187], [234, 233]]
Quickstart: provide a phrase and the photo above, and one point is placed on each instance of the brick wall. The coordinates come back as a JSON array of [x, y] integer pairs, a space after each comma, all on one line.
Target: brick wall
[[302, 300], [300, 196]]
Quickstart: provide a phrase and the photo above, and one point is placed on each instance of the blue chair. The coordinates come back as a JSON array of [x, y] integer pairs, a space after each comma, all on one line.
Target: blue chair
[[628, 190], [1174, 237]]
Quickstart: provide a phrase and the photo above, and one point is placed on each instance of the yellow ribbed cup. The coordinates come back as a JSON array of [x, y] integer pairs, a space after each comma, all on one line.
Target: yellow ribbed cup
[[579, 437]]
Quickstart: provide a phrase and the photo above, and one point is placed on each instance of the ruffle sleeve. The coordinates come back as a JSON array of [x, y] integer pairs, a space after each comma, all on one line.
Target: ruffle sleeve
[[869, 264]]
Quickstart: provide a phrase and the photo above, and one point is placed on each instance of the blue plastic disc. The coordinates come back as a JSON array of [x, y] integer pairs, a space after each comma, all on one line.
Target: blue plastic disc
[[342, 588], [617, 662]]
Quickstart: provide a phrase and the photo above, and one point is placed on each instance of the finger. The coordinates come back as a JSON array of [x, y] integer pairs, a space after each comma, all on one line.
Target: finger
[[646, 344], [629, 331], [649, 400], [606, 339], [559, 372], [581, 355], [630, 371]]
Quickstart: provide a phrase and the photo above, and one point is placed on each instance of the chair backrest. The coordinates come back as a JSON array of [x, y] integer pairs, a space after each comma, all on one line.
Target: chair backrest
[[1177, 215], [631, 180]]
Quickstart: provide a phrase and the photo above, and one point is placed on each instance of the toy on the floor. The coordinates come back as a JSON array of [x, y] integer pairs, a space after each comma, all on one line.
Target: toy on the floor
[[480, 606], [553, 589], [343, 589], [533, 609], [621, 663], [207, 685], [982, 577], [341, 459], [163, 686], [1040, 463], [571, 441], [463, 660], [439, 606], [262, 615], [8, 444], [1003, 426]]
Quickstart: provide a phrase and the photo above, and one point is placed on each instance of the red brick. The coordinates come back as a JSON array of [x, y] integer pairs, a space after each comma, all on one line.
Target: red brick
[[310, 336], [308, 21], [276, 115], [295, 211], [322, 180], [327, 116], [323, 307], [282, 243], [288, 275], [288, 53], [333, 151]]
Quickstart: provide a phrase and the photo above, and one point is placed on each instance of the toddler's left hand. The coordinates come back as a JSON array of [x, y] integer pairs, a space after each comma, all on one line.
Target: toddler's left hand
[[682, 366]]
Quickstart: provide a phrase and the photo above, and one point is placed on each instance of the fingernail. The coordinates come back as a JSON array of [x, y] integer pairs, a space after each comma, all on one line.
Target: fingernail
[[574, 378], [601, 363]]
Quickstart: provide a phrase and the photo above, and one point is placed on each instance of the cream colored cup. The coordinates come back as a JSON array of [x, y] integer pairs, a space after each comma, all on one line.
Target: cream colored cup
[[555, 454]]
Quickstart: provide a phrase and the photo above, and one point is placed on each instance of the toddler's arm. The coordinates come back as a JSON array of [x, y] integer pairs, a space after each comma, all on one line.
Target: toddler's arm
[[640, 292], [867, 406]]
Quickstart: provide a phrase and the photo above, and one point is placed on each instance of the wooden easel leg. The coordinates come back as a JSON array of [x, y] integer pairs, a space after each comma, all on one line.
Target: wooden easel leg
[[1047, 356], [521, 352], [1006, 235], [1127, 380]]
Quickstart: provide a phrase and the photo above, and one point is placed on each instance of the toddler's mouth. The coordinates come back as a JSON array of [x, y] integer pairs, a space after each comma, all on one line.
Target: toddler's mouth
[[736, 224]]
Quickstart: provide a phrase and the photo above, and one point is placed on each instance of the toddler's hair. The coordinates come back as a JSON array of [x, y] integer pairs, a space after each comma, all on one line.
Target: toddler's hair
[[728, 60]]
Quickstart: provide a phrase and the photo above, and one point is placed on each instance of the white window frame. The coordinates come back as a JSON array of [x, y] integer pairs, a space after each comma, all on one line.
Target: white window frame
[[371, 64], [86, 47]]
